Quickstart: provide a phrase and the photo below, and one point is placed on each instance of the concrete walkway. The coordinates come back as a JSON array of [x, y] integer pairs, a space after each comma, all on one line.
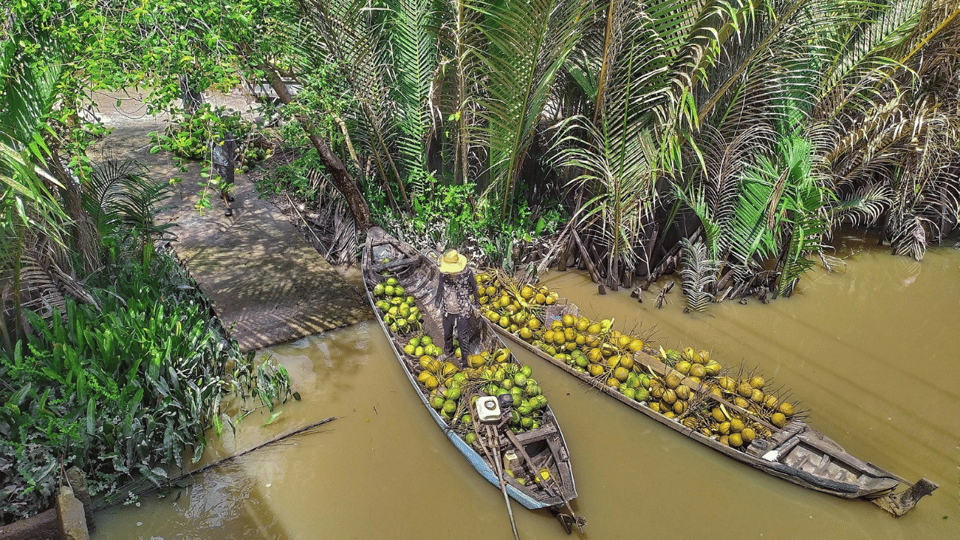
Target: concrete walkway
[[266, 283]]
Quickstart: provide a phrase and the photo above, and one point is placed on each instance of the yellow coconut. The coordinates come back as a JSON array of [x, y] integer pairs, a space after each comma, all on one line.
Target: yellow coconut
[[787, 409]]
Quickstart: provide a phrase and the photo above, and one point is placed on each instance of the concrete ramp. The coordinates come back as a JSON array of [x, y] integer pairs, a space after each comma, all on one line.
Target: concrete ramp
[[266, 283]]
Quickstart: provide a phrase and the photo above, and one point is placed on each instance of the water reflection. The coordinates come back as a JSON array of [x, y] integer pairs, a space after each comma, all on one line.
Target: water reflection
[[869, 351]]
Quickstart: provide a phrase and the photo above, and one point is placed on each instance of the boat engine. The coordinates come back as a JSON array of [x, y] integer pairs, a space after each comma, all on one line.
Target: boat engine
[[488, 410]]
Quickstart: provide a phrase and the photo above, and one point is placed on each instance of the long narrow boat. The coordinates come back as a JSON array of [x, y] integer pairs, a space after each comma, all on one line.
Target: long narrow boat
[[795, 451], [531, 466]]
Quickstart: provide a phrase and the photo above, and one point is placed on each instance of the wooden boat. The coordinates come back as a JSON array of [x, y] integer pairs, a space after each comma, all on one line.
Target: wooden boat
[[796, 452], [541, 454]]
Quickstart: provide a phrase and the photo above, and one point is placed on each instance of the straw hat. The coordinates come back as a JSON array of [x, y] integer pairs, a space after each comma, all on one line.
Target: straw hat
[[452, 262]]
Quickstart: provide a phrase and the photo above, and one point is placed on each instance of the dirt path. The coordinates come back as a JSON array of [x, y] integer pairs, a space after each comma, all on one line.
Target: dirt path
[[266, 283]]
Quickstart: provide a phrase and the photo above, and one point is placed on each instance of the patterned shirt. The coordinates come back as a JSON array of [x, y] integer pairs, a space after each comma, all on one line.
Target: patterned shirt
[[455, 290]]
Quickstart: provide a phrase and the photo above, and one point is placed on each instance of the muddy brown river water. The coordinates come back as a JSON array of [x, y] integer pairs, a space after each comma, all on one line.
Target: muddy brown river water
[[871, 351]]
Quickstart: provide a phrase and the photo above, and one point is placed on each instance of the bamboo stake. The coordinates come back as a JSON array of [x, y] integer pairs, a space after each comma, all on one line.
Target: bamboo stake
[[253, 449]]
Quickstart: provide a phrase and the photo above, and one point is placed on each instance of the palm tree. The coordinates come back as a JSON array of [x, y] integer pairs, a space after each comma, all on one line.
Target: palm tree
[[888, 107], [36, 262], [526, 45]]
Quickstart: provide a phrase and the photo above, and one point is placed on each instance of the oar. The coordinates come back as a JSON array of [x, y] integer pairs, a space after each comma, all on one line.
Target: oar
[[491, 440]]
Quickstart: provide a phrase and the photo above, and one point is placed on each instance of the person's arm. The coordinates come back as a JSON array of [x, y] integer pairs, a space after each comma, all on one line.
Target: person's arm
[[439, 298], [473, 286]]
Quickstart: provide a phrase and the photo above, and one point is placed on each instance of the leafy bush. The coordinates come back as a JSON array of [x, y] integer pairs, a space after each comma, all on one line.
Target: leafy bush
[[448, 215], [123, 393], [292, 177], [189, 137]]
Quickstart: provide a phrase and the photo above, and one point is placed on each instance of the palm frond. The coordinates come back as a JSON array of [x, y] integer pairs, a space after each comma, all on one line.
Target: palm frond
[[351, 34], [750, 237], [29, 89], [38, 287], [855, 57], [460, 35], [413, 41], [620, 173], [528, 42], [862, 207], [699, 275], [119, 195], [909, 237], [695, 200], [763, 70], [724, 163], [801, 212], [806, 230]]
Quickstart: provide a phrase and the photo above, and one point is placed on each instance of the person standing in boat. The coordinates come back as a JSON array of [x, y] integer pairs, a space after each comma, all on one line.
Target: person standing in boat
[[456, 294]]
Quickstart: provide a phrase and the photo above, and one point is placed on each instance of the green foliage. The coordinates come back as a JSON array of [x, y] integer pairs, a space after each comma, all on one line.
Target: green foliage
[[527, 44], [444, 214], [353, 38], [293, 177], [124, 384], [122, 203], [324, 98], [189, 137], [415, 61], [123, 392]]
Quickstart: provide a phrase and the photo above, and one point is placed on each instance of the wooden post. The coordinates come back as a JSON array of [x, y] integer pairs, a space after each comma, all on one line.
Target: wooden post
[[586, 257]]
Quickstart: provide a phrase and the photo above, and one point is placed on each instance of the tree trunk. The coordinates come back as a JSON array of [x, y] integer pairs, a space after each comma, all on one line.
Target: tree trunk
[[85, 239], [341, 177]]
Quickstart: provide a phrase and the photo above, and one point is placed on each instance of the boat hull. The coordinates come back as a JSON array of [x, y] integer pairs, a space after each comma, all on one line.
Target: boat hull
[[797, 453]]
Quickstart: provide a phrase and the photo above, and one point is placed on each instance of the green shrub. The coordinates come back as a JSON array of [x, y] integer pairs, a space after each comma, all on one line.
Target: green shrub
[[292, 177], [124, 392], [189, 136]]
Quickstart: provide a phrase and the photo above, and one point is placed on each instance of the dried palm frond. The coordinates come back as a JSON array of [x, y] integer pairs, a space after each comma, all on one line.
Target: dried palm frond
[[699, 275], [861, 208], [908, 235]]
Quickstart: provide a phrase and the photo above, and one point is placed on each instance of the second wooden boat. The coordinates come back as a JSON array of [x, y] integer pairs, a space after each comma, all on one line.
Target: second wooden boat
[[790, 448]]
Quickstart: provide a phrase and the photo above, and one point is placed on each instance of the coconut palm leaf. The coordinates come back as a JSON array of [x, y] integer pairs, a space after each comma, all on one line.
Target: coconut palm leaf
[[28, 90], [527, 43], [459, 36], [862, 208], [38, 286], [699, 275], [724, 164], [120, 198], [350, 33], [769, 73], [591, 64], [411, 27], [909, 237], [695, 200], [855, 57], [620, 172], [806, 228], [620, 155], [751, 239], [31, 207]]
